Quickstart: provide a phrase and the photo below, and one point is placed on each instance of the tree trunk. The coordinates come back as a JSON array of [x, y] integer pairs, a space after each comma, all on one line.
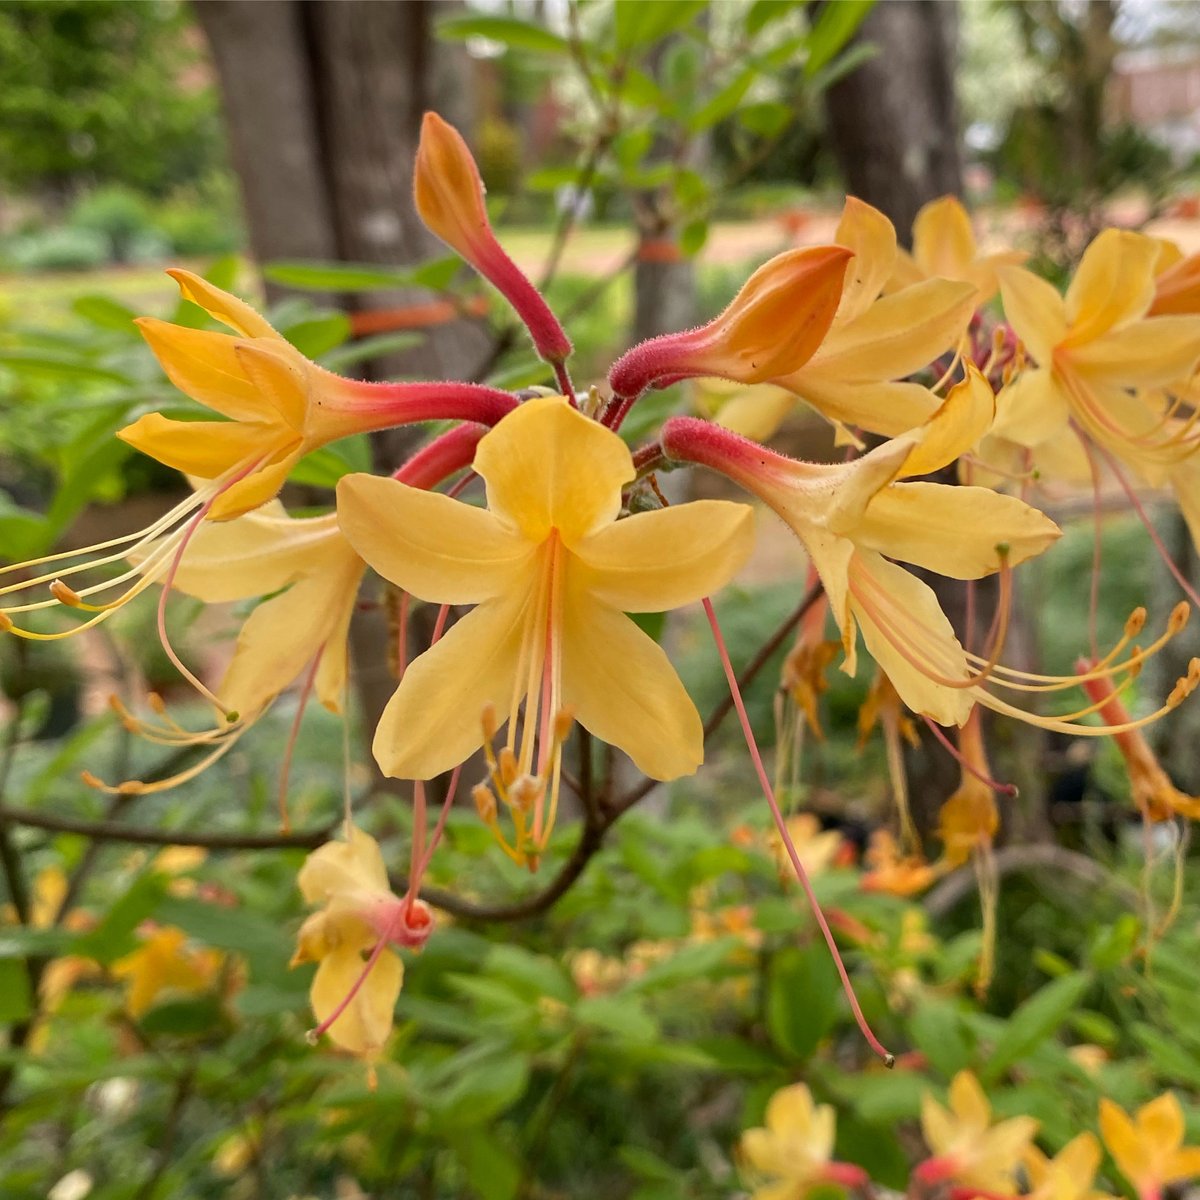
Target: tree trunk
[[894, 120], [323, 100]]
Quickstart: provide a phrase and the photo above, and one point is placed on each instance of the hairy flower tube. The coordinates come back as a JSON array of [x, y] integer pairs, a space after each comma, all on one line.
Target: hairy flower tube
[[772, 326], [353, 997], [552, 572], [449, 197], [793, 1156]]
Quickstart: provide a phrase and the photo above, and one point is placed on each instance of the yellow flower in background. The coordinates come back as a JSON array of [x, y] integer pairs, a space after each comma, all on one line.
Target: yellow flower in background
[[793, 1155], [857, 376], [968, 1149], [890, 871], [1093, 347], [166, 965], [354, 998], [1176, 282], [1148, 1148], [552, 573], [818, 848], [1069, 1174], [279, 405], [944, 247]]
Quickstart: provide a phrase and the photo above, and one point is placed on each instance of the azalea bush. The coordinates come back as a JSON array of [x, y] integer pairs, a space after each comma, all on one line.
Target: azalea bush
[[476, 963]]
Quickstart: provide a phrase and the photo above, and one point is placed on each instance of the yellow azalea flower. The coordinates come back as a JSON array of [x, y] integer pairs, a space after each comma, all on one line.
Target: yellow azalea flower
[[315, 574], [1148, 1148], [944, 247], [818, 848], [968, 1150], [793, 1155], [857, 375], [280, 406], [890, 871], [1092, 347], [1069, 1174], [353, 998], [166, 964], [449, 197], [851, 515], [772, 326], [1154, 795], [552, 572]]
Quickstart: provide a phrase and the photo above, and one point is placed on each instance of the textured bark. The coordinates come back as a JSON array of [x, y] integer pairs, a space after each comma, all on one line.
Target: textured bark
[[323, 101], [894, 120]]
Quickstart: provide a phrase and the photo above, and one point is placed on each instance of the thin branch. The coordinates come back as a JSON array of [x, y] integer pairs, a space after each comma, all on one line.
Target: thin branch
[[117, 831], [1014, 859]]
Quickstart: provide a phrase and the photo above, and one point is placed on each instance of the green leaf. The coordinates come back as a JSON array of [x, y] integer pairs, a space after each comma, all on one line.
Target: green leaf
[[508, 31], [841, 66], [803, 998], [477, 1085], [692, 238], [106, 313], [60, 366], [318, 335], [115, 936], [223, 271], [336, 277], [767, 119], [724, 102], [621, 1015], [702, 960], [835, 26], [937, 1032], [764, 12], [534, 975], [493, 1171], [190, 1017], [1114, 943], [324, 467], [550, 179], [378, 345], [651, 624], [438, 273], [16, 1000], [886, 1097], [1034, 1021], [251, 934], [638, 23]]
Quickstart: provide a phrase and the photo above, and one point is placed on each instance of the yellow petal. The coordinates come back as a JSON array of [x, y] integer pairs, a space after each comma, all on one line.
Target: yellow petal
[[253, 555], [1152, 353], [906, 272], [887, 408], [1034, 310], [900, 334], [203, 448], [790, 1112], [955, 533], [434, 720], [364, 1026], [917, 602], [757, 412], [1160, 1123], [943, 240], [1113, 284], [1122, 1139], [830, 557], [229, 310], [872, 237], [623, 688], [343, 867], [1182, 1165], [283, 635], [439, 549], [937, 1125], [655, 561], [279, 374], [204, 365], [1032, 409], [969, 1102], [957, 427], [330, 683], [531, 464], [856, 485], [259, 487]]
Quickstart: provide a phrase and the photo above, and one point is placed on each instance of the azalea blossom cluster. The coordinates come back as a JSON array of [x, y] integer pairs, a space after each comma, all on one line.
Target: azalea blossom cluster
[[534, 645], [973, 1156]]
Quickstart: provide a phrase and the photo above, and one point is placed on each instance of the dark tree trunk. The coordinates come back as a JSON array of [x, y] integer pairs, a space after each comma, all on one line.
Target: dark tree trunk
[[323, 101], [894, 120]]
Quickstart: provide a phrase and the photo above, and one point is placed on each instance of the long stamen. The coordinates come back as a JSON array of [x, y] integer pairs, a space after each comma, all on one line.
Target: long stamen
[[888, 1058]]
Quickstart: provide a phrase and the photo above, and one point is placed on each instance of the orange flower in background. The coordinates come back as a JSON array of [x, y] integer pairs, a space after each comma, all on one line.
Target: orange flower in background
[[166, 965], [890, 871], [1148, 1148]]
